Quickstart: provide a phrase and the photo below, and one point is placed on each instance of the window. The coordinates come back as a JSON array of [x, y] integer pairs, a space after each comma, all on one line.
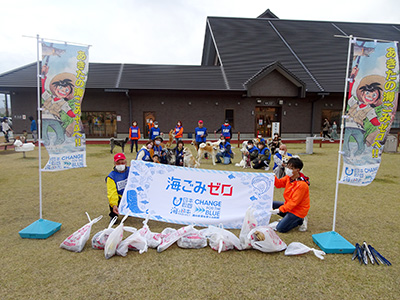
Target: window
[[229, 117], [396, 121]]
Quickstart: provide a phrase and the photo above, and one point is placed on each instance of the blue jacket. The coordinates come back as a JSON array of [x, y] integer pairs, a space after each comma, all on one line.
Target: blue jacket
[[147, 156], [199, 132], [120, 180], [33, 125], [227, 147], [154, 132]]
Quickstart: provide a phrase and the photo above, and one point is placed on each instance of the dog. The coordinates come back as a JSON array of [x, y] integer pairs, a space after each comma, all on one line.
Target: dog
[[245, 162], [121, 143], [189, 160], [170, 139], [208, 147]]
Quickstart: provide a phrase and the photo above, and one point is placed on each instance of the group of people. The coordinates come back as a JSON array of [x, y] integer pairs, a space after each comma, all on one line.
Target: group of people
[[328, 131], [6, 129], [287, 170]]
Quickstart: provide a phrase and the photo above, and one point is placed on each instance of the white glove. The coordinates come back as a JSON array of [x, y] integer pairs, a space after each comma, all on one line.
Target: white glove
[[274, 211]]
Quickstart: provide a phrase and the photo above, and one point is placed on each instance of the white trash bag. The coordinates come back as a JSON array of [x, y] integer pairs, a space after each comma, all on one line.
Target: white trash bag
[[297, 248], [265, 239], [221, 239], [249, 223], [153, 239], [194, 240], [76, 241], [133, 242], [114, 239], [100, 238], [171, 236]]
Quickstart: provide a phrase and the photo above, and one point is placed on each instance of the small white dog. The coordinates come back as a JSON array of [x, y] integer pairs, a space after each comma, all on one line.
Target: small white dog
[[245, 162], [208, 147], [189, 160]]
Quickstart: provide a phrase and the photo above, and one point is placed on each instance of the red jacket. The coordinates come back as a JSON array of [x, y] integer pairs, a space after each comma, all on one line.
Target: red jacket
[[296, 194]]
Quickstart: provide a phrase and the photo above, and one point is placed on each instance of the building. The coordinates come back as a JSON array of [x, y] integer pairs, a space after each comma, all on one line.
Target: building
[[254, 72]]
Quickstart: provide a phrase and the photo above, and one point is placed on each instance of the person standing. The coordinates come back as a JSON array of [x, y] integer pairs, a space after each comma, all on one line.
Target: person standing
[[200, 135], [226, 131], [155, 131], [297, 198], [33, 129], [116, 182], [325, 130], [134, 135], [178, 132], [334, 131]]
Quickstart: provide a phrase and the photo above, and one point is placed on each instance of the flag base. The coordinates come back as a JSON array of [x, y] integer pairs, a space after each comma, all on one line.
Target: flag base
[[40, 229], [333, 242]]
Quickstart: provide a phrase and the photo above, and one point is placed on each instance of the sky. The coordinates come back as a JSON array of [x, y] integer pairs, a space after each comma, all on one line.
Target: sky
[[153, 31]]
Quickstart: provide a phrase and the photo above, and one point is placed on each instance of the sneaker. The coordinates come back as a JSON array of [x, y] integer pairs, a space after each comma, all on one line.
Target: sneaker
[[303, 227], [331, 141]]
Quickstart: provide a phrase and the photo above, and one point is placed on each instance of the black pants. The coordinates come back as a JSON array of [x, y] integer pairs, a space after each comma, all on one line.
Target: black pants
[[112, 214], [136, 144]]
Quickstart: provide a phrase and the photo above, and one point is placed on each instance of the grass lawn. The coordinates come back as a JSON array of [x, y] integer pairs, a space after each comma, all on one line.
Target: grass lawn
[[39, 269]]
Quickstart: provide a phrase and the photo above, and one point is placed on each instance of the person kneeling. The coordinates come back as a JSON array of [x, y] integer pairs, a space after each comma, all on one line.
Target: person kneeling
[[297, 198]]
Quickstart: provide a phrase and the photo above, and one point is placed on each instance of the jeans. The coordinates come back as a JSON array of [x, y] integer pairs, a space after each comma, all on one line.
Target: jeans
[[289, 220]]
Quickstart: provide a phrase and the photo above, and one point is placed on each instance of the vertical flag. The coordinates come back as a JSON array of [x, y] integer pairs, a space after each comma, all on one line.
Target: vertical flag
[[64, 75], [371, 108]]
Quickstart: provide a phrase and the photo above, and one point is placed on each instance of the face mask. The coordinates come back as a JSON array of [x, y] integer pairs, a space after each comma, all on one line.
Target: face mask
[[134, 124], [120, 168], [281, 152], [158, 142], [149, 146], [289, 172], [250, 146], [155, 126]]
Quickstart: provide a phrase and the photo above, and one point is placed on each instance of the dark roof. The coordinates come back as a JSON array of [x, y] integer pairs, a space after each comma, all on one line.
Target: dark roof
[[268, 14], [308, 49], [131, 76]]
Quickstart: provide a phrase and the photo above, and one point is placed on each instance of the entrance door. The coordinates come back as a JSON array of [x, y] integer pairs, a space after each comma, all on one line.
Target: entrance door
[[264, 118], [147, 117]]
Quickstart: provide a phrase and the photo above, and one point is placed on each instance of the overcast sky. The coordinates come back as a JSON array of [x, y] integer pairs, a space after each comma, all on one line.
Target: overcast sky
[[154, 31]]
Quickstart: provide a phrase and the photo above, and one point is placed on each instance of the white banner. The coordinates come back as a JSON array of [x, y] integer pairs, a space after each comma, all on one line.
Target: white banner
[[196, 196]]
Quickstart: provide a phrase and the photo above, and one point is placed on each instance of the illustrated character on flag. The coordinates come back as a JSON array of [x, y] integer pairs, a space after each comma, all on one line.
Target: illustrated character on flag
[[57, 112], [362, 117]]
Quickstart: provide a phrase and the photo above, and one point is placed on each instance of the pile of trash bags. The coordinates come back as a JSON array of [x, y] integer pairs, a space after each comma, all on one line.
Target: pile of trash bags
[[262, 238]]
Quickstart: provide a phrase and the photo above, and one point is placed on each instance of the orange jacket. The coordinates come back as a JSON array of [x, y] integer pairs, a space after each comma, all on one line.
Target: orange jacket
[[296, 194], [178, 132]]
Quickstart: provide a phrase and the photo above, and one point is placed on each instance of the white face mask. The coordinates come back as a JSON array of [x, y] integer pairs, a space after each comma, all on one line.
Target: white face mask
[[158, 142], [120, 168], [281, 152], [149, 146], [289, 172], [155, 125]]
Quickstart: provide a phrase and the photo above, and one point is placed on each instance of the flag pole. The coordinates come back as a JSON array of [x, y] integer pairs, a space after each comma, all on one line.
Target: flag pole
[[40, 229], [331, 241], [39, 125], [341, 131]]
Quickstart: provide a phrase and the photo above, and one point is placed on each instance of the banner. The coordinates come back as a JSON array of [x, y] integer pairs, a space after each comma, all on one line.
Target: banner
[[371, 108], [64, 75], [196, 196]]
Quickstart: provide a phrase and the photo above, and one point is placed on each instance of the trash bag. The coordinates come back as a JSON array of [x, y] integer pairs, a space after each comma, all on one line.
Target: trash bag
[[194, 240], [221, 239], [76, 241], [171, 236], [297, 248], [153, 239], [265, 239], [133, 242], [249, 223], [100, 238], [114, 239]]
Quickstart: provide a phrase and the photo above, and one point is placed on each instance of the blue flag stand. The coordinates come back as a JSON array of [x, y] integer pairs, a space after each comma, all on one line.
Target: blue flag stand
[[331, 241], [40, 229]]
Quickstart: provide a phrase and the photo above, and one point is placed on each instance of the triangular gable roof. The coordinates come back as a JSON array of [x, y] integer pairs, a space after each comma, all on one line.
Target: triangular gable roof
[[308, 49], [278, 67], [268, 14]]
